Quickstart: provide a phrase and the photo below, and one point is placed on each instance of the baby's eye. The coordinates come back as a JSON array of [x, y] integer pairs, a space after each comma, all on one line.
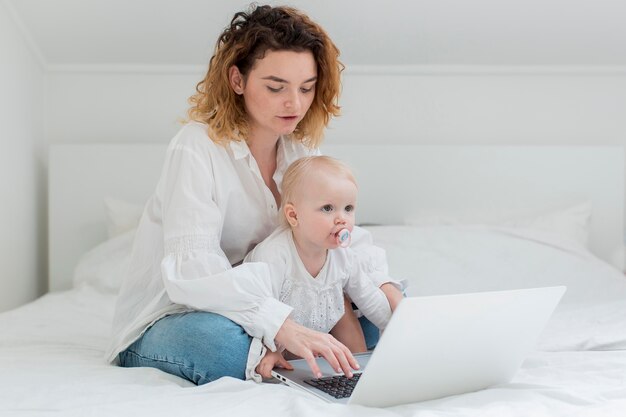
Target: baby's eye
[[327, 208], [349, 208]]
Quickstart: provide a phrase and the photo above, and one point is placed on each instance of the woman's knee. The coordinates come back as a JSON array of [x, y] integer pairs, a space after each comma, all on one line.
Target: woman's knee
[[197, 346]]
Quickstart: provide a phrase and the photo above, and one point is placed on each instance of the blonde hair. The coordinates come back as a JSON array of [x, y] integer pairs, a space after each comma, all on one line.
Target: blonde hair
[[298, 170], [250, 35]]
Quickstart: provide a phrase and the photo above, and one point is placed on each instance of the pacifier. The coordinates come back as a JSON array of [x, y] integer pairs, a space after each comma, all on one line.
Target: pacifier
[[343, 238]]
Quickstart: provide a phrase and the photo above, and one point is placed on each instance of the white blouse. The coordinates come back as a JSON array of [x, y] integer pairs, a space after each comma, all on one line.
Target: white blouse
[[210, 208], [318, 301]]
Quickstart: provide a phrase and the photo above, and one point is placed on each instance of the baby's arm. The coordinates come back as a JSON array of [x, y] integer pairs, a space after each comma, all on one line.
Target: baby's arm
[[393, 294], [370, 299]]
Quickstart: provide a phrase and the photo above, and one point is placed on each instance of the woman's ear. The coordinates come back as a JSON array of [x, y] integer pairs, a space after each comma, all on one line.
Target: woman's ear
[[290, 214], [236, 80]]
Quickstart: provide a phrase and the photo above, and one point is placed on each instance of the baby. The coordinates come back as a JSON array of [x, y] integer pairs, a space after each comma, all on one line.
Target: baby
[[310, 264]]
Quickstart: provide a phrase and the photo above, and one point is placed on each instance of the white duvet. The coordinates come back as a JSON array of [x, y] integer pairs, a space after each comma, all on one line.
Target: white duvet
[[51, 350]]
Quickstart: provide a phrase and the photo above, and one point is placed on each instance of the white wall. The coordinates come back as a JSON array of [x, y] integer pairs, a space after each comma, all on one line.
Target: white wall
[[115, 107], [451, 105], [22, 169], [427, 105], [483, 107], [445, 106]]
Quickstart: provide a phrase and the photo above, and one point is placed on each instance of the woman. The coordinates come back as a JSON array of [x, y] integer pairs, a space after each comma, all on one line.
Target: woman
[[187, 306]]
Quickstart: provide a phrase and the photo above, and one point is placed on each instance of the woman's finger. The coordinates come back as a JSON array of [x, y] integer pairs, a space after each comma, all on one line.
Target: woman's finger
[[308, 343], [259, 370], [342, 358], [344, 363], [352, 362], [342, 355], [310, 360], [262, 369], [283, 363], [330, 353]]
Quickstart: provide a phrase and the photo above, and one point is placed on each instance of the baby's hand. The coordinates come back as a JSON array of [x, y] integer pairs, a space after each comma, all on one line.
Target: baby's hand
[[269, 362]]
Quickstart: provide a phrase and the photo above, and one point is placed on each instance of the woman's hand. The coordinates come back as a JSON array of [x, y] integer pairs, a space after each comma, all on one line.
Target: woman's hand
[[308, 344], [269, 361]]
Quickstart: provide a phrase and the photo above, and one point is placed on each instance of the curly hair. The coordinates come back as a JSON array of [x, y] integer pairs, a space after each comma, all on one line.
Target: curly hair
[[250, 35]]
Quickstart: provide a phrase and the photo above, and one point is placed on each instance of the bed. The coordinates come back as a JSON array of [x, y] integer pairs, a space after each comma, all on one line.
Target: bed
[[452, 219]]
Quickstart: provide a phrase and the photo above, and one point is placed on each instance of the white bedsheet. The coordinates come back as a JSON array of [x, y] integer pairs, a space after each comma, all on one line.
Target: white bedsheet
[[51, 363]]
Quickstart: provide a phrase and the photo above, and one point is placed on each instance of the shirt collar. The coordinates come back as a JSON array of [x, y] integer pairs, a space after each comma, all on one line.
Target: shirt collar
[[282, 161], [240, 148]]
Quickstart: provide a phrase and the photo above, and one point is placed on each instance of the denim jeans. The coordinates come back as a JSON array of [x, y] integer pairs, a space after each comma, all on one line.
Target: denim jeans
[[201, 347]]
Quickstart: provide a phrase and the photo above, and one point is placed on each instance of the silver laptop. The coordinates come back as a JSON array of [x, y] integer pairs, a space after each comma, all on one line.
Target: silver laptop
[[437, 346]]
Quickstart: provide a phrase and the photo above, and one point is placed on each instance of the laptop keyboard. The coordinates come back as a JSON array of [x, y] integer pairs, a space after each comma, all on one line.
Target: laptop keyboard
[[338, 386]]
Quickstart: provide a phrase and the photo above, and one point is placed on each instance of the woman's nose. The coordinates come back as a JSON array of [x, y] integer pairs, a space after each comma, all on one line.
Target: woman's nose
[[293, 101]]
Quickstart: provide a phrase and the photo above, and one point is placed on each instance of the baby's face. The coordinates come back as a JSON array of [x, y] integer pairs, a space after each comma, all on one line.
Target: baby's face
[[325, 205]]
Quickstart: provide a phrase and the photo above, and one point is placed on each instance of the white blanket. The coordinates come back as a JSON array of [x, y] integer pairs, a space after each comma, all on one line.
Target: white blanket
[[51, 350], [51, 358]]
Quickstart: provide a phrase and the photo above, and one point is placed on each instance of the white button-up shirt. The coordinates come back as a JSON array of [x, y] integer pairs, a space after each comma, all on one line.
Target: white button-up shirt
[[210, 208]]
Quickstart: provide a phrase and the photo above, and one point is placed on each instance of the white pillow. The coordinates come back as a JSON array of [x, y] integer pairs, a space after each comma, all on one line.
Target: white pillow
[[460, 259], [571, 222], [105, 266], [122, 216]]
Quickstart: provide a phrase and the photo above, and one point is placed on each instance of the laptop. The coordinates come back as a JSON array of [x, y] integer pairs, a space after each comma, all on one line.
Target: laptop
[[437, 346]]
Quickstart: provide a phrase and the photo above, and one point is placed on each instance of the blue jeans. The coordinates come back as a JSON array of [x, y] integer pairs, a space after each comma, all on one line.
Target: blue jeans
[[201, 347]]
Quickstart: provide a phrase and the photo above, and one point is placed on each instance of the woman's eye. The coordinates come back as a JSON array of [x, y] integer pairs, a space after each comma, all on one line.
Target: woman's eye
[[306, 90], [274, 90], [327, 208], [349, 208]]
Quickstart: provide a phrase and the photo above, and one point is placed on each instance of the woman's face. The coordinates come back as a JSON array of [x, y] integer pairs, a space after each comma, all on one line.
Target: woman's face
[[278, 91]]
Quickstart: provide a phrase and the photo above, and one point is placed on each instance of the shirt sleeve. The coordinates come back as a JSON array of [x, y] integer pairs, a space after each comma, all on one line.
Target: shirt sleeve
[[272, 254], [372, 260], [196, 272], [368, 297]]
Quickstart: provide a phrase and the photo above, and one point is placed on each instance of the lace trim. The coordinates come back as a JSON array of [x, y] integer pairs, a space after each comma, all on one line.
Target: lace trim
[[317, 309], [189, 243]]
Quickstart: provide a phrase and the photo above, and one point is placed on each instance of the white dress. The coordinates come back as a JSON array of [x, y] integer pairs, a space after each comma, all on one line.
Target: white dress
[[210, 208], [318, 301]]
